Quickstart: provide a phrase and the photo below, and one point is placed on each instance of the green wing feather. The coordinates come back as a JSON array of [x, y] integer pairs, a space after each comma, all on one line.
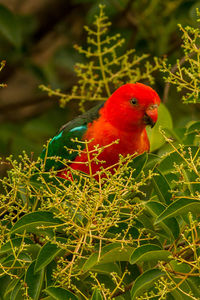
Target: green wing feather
[[69, 132]]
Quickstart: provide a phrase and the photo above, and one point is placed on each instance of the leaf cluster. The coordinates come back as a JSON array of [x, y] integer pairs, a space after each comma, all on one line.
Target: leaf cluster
[[185, 74], [131, 235], [128, 235], [36, 53], [106, 70]]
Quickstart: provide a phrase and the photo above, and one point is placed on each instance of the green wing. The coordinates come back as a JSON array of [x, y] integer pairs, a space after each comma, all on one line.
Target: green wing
[[69, 132]]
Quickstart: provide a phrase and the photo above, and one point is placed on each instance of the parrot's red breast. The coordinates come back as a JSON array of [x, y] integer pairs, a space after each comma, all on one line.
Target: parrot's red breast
[[123, 117]]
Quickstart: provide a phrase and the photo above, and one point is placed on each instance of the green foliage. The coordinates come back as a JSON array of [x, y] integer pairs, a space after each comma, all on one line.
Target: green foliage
[[106, 70], [164, 121], [126, 234], [131, 235], [186, 73], [37, 45], [55, 219]]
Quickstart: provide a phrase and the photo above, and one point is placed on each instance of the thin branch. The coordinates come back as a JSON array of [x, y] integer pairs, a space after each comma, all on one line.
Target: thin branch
[[173, 70]]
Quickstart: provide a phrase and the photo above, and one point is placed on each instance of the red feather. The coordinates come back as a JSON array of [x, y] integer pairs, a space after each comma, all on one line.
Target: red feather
[[120, 120]]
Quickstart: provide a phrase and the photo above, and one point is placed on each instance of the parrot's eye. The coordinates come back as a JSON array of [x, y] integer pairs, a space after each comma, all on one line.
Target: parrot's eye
[[134, 101]]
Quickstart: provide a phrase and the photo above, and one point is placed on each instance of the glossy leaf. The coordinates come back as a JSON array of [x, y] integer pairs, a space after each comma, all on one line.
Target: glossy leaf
[[117, 254], [10, 260], [180, 267], [170, 226], [164, 121], [15, 242], [193, 127], [178, 207], [138, 164], [194, 283], [33, 250], [106, 268], [146, 220], [97, 295], [10, 287], [31, 221], [110, 253], [4, 280], [47, 253], [58, 293], [177, 295], [152, 161], [149, 252], [162, 187], [166, 165], [145, 281], [49, 272], [16, 290], [34, 281]]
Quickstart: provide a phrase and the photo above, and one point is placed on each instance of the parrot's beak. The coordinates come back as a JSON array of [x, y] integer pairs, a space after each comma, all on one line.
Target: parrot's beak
[[151, 115]]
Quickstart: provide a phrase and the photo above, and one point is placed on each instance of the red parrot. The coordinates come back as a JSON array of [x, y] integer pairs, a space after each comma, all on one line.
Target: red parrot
[[123, 117]]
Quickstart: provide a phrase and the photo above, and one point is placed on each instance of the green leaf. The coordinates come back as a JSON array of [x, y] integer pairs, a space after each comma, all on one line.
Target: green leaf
[[34, 281], [5, 280], [146, 220], [15, 242], [162, 187], [152, 161], [117, 254], [180, 267], [145, 281], [177, 295], [47, 253], [190, 284], [33, 250], [194, 284], [166, 165], [16, 290], [164, 121], [193, 127], [170, 226], [149, 252], [179, 207], [11, 259], [31, 221], [106, 268], [49, 281], [110, 253], [97, 295], [9, 26], [138, 164], [191, 135], [10, 287], [58, 293]]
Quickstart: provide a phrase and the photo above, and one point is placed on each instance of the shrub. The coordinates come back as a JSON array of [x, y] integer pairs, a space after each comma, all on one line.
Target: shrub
[[131, 235]]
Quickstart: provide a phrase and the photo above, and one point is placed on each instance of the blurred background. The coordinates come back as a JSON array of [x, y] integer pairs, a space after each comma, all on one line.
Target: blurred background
[[37, 39]]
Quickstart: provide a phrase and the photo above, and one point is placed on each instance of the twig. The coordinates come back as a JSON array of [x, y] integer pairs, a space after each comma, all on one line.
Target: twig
[[173, 70], [120, 292]]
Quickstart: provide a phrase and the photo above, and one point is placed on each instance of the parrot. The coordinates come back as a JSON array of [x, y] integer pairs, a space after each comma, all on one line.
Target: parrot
[[123, 117]]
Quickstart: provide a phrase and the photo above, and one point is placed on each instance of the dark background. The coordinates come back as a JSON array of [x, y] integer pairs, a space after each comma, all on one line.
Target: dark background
[[37, 39]]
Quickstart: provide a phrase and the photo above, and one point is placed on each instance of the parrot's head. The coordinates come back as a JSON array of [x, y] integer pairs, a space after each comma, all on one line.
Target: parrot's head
[[132, 106]]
